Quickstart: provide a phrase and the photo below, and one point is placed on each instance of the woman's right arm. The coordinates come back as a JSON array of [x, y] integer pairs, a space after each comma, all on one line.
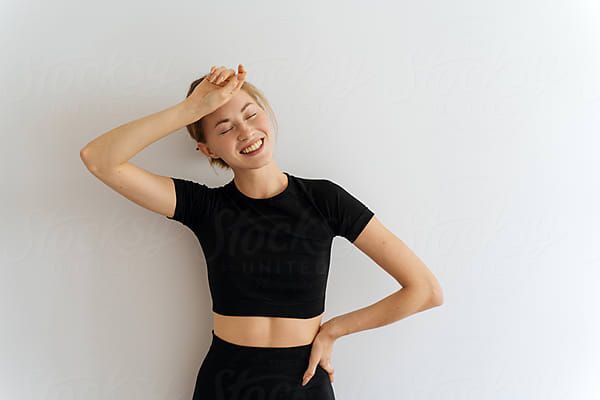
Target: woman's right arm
[[107, 157]]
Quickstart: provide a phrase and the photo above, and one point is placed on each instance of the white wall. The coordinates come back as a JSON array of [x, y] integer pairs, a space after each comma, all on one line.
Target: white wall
[[469, 127]]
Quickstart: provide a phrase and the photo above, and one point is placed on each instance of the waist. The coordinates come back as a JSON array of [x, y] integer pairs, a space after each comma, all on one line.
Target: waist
[[266, 331]]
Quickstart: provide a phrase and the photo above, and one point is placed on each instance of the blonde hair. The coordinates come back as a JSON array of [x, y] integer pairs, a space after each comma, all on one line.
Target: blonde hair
[[197, 132]]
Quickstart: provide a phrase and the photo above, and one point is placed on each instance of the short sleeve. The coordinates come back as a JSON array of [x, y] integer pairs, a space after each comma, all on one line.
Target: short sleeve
[[348, 216], [193, 201]]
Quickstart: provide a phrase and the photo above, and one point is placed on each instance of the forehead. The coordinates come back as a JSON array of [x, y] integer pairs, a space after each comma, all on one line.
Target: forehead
[[234, 105]]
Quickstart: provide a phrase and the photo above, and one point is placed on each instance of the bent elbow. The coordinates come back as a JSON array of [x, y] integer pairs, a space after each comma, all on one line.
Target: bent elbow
[[436, 296], [84, 154]]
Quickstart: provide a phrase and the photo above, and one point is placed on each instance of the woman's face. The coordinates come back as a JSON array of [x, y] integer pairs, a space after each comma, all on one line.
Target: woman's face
[[234, 126]]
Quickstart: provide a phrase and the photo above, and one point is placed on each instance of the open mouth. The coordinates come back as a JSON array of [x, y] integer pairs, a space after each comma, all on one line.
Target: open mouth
[[257, 146]]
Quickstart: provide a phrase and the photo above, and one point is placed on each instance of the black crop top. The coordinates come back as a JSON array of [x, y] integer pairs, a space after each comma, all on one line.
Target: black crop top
[[269, 257]]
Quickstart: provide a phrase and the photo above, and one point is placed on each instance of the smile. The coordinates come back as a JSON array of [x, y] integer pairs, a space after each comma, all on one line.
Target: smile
[[253, 148]]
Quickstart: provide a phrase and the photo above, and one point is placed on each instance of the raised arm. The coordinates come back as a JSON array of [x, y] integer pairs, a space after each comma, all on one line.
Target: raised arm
[[107, 157]]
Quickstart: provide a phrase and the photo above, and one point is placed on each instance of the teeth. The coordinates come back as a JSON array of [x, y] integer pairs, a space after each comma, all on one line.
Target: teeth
[[253, 147]]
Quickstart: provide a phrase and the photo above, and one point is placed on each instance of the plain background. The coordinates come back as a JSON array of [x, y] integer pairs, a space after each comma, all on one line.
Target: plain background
[[470, 128]]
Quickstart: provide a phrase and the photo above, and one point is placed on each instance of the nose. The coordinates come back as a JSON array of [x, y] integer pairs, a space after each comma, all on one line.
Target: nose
[[245, 132]]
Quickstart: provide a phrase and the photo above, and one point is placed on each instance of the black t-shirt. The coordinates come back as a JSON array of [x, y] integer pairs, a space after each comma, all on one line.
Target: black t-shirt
[[269, 257]]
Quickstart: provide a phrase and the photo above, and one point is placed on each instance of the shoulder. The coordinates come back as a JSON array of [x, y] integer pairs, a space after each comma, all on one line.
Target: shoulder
[[325, 188], [190, 184], [193, 198], [316, 184]]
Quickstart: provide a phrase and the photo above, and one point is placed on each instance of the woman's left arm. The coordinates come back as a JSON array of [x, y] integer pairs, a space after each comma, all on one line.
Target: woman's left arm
[[420, 291]]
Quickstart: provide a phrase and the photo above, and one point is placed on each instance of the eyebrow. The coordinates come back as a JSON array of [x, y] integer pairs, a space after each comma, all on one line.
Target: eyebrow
[[227, 119]]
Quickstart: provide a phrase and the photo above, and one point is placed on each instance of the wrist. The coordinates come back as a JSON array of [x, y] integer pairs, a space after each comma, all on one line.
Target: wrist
[[331, 329], [192, 111]]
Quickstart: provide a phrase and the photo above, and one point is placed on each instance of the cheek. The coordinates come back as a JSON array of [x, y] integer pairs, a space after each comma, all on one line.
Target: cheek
[[262, 120]]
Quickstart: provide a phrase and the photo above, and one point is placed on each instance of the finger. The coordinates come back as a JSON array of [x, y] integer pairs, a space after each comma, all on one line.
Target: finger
[[232, 80], [215, 72], [329, 369], [224, 75], [239, 78], [215, 76], [310, 372], [210, 76], [306, 378], [221, 74], [240, 81], [241, 72], [231, 85]]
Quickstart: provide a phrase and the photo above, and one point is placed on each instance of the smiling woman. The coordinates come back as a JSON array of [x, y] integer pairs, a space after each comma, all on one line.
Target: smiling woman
[[238, 134], [266, 236], [255, 106]]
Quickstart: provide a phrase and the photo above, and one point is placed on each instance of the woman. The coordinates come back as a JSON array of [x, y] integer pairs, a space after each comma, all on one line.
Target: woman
[[266, 236]]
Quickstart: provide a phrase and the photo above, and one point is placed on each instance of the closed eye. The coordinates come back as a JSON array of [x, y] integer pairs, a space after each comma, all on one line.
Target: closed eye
[[252, 116]]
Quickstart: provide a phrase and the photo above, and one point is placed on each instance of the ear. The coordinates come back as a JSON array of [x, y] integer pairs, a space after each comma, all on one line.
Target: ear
[[206, 150]]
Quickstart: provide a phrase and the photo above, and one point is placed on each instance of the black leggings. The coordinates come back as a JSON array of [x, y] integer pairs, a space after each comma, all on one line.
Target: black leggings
[[235, 372]]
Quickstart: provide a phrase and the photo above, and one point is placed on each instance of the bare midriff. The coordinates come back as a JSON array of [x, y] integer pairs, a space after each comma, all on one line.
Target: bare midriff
[[266, 331]]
